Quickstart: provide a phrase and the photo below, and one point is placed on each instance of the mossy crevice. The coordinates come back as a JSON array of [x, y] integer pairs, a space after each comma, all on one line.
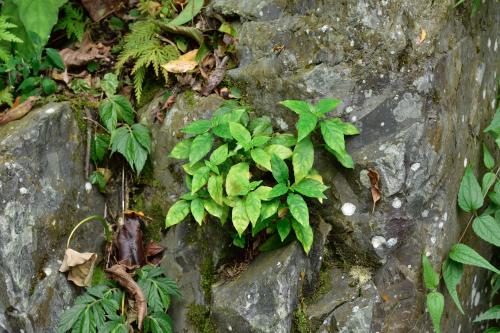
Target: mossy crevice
[[198, 316]]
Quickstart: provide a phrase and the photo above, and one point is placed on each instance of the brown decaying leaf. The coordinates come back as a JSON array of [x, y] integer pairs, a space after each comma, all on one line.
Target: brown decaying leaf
[[18, 111], [422, 36], [216, 76], [87, 52], [374, 179], [185, 63], [99, 9], [120, 275], [129, 243], [61, 76], [153, 253], [80, 266]]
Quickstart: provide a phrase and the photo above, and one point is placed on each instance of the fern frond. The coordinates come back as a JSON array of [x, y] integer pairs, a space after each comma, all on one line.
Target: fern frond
[[139, 76], [5, 34], [6, 96], [72, 21], [4, 54]]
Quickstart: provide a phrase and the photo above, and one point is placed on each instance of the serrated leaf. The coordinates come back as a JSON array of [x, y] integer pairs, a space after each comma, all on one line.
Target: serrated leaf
[[109, 84], [279, 169], [297, 106], [70, 317], [200, 178], [488, 159], [310, 188], [240, 133], [302, 159], [198, 127], [431, 278], [466, 255], [262, 158], [99, 147], [238, 179], [304, 234], [142, 135], [215, 188], [488, 181], [281, 151], [452, 274], [284, 226], [298, 208], [492, 313], [126, 141], [253, 206], [181, 149], [326, 105], [487, 228], [198, 210], [470, 197], [200, 147], [114, 109], [240, 217], [97, 178], [219, 155], [305, 125], [435, 306], [177, 213]]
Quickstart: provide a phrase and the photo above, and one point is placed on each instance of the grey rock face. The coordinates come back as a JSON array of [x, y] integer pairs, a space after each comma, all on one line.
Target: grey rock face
[[42, 195]]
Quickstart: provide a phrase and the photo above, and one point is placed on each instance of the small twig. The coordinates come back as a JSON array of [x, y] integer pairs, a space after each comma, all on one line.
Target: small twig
[[95, 123], [89, 140], [123, 195], [166, 40]]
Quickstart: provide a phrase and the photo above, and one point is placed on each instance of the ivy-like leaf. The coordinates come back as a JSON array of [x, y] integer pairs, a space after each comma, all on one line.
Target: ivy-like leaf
[[109, 84], [304, 234], [116, 108], [133, 143], [487, 228], [298, 208], [431, 278], [177, 213], [435, 305], [200, 147], [279, 169], [306, 124], [470, 197], [452, 274], [466, 255], [181, 149], [240, 217], [97, 178], [238, 179], [302, 159]]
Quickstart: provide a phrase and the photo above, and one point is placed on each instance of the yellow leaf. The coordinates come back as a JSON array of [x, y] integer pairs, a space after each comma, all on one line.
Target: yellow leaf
[[185, 63], [80, 266]]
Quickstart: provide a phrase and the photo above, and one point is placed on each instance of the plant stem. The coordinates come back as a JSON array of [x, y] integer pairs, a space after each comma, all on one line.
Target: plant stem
[[104, 223]]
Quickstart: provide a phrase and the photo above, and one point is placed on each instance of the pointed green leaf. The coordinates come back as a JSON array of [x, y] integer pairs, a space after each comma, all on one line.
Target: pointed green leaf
[[470, 197], [279, 169], [215, 188], [240, 217], [435, 306], [488, 181], [297, 106], [302, 159], [494, 127], [466, 255], [200, 178], [269, 209], [142, 134], [198, 127], [200, 147], [452, 274], [488, 159], [55, 58], [263, 192], [260, 140], [310, 188], [212, 208], [284, 226], [190, 10], [343, 157], [305, 125], [238, 179], [287, 140], [326, 105], [99, 147], [277, 191], [262, 158], [181, 150], [298, 208], [240, 133], [304, 234], [345, 128], [219, 155], [253, 207], [488, 229], [492, 313], [198, 210], [431, 278], [279, 150], [333, 135], [114, 109], [177, 213]]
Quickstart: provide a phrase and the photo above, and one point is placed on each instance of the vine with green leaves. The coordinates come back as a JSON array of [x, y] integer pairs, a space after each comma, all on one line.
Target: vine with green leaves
[[247, 175], [482, 201]]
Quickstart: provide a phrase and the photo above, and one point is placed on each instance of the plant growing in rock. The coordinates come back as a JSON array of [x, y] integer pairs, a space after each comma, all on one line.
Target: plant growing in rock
[[240, 169], [482, 201]]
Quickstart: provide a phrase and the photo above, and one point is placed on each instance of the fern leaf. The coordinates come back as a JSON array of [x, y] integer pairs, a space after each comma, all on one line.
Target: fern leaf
[[5, 34], [138, 81], [6, 96], [72, 21]]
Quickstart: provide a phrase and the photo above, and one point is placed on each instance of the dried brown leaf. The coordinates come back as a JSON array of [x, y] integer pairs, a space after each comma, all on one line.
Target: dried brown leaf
[[87, 52], [120, 275], [375, 190], [421, 38], [80, 266], [153, 252], [216, 76], [99, 9], [129, 242], [185, 63], [18, 111]]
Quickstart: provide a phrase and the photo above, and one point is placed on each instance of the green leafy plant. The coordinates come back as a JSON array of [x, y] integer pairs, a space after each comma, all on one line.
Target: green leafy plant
[[7, 36], [72, 21], [239, 168], [121, 133], [474, 7], [483, 202], [102, 308]]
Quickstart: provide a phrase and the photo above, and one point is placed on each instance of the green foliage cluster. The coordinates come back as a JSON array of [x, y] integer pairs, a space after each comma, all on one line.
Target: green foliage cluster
[[483, 202], [475, 4], [239, 168], [72, 21], [102, 307], [121, 133]]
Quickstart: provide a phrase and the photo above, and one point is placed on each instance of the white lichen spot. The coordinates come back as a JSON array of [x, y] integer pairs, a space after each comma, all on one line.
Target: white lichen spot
[[368, 93], [261, 13], [489, 43], [325, 28], [382, 124], [378, 241], [349, 109], [355, 309], [352, 43], [47, 271], [23, 190], [354, 118], [392, 242], [278, 263], [425, 213], [348, 209], [465, 162], [50, 110], [282, 124], [484, 93], [409, 266], [396, 203], [440, 225], [493, 103], [477, 299], [428, 253], [381, 76], [229, 328], [445, 216], [88, 187], [433, 240], [415, 166], [496, 45], [361, 274]]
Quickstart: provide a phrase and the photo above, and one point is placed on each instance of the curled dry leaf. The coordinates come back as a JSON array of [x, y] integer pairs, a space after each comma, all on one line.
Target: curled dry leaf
[[129, 243], [80, 266], [120, 275], [87, 52], [216, 76], [18, 111], [185, 63], [99, 9], [153, 253], [374, 180], [422, 36], [61, 76]]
